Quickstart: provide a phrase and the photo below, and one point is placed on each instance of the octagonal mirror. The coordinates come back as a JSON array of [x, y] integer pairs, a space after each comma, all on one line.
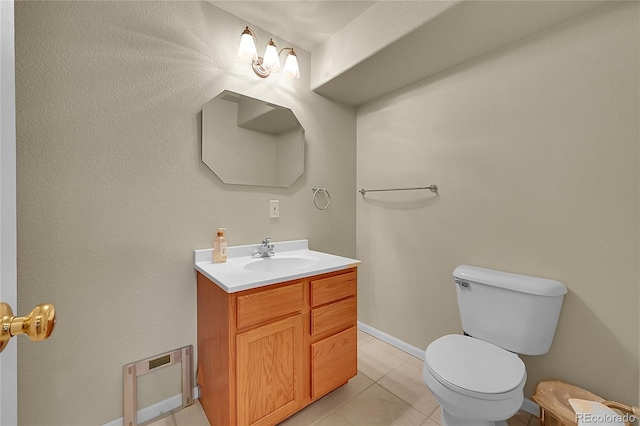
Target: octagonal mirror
[[247, 141]]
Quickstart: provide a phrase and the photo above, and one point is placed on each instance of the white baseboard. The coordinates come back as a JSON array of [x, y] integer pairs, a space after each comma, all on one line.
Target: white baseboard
[[411, 350], [530, 407], [156, 409], [527, 405]]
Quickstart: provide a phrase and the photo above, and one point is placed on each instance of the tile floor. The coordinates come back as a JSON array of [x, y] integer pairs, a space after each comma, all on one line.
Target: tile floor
[[388, 390]]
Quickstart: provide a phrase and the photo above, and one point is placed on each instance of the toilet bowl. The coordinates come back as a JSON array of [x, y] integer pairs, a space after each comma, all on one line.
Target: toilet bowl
[[475, 382], [479, 380]]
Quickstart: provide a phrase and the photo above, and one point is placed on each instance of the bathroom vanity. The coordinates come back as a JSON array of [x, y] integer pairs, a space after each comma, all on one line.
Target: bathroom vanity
[[274, 334]]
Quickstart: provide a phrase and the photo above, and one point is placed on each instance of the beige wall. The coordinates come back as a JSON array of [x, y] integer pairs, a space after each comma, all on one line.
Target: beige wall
[[535, 151], [113, 197]]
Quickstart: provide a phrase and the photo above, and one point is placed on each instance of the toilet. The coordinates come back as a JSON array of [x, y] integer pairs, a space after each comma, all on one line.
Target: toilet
[[478, 378]]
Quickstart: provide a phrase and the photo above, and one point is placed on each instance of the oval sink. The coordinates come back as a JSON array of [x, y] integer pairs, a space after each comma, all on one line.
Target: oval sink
[[280, 264]]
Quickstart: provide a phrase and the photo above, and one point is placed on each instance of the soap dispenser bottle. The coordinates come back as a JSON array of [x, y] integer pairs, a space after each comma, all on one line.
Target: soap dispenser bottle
[[220, 247]]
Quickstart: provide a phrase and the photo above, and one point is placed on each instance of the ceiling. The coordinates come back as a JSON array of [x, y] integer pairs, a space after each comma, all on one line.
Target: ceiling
[[307, 23]]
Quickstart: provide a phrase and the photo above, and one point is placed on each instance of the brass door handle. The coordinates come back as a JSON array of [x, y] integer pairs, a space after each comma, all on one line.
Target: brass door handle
[[38, 325]]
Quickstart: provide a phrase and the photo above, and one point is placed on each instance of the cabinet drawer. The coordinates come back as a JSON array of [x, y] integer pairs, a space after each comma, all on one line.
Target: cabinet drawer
[[334, 361], [333, 288], [264, 305], [334, 315]]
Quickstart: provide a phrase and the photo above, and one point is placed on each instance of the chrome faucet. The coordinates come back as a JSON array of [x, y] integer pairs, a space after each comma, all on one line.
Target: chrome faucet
[[265, 249]]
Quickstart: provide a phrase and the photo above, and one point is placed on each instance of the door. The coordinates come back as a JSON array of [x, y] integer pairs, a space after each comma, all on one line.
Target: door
[[8, 267], [270, 373]]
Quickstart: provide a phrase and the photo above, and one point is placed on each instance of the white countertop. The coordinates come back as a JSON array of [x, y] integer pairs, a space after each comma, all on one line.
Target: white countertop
[[233, 275]]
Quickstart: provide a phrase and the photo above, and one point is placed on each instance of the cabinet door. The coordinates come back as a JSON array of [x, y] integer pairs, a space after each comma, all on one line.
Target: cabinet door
[[334, 361], [269, 372]]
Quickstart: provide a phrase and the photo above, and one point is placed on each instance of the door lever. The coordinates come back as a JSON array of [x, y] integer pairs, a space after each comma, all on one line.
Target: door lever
[[38, 325]]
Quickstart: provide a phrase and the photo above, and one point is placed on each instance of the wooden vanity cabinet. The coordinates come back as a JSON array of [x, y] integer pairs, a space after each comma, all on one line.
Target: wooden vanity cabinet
[[265, 353]]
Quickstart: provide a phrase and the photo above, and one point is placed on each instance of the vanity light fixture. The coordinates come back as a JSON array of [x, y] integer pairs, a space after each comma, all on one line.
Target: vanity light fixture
[[263, 66]]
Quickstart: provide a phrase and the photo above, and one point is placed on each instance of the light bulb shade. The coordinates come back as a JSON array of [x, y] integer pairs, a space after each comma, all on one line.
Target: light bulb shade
[[247, 51], [271, 60], [291, 69]]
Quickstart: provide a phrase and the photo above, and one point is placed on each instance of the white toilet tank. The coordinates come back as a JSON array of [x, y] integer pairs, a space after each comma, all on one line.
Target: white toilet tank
[[516, 312]]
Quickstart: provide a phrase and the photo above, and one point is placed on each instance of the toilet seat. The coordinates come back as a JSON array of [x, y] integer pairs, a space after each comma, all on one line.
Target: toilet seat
[[475, 368]]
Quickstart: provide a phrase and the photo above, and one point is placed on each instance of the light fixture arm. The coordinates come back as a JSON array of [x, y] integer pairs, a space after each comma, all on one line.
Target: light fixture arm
[[286, 48]]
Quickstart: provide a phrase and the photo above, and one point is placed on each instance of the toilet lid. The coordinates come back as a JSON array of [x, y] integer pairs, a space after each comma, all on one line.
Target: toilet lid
[[474, 365]]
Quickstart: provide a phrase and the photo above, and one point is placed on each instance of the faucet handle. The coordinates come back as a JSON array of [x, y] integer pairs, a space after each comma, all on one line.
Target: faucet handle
[[266, 241]]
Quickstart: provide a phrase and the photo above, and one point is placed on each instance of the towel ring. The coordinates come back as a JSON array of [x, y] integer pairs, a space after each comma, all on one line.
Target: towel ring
[[317, 189]]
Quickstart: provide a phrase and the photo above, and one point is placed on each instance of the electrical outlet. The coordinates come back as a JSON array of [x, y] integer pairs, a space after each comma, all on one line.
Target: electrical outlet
[[274, 208]]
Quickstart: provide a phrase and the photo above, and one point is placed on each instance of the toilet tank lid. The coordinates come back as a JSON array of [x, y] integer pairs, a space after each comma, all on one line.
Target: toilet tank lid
[[509, 281]]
